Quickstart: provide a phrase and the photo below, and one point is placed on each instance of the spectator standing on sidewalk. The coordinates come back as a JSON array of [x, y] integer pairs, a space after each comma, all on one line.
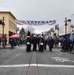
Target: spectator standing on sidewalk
[[70, 45], [0, 41], [12, 43], [65, 44]]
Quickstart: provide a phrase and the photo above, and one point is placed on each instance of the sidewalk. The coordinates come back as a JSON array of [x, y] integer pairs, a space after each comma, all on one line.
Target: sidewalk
[[6, 47]]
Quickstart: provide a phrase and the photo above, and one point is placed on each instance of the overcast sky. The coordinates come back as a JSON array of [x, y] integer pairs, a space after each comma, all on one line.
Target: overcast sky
[[39, 10]]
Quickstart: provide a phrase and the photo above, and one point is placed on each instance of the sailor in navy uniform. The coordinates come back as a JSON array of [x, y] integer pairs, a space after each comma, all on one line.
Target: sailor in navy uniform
[[41, 44], [28, 44], [34, 41]]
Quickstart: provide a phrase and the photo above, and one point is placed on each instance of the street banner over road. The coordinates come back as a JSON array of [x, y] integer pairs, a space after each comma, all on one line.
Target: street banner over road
[[30, 22]]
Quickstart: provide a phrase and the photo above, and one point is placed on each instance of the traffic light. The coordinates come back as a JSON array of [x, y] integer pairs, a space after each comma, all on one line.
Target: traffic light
[[0, 22]]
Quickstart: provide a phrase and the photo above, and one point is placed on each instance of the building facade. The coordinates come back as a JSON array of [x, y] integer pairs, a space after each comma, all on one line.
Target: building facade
[[10, 24], [68, 26], [65, 28]]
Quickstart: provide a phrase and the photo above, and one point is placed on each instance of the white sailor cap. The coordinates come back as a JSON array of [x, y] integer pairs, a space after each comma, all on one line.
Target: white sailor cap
[[28, 36], [34, 35]]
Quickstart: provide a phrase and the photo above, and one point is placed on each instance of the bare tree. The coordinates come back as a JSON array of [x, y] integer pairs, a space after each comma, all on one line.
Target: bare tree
[[17, 29], [30, 29], [22, 31]]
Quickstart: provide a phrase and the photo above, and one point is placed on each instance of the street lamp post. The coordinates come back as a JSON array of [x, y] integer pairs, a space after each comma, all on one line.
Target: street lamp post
[[65, 26], [3, 24]]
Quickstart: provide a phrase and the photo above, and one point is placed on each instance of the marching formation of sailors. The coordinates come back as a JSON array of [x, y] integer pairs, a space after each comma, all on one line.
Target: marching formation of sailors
[[40, 42], [28, 44], [37, 42]]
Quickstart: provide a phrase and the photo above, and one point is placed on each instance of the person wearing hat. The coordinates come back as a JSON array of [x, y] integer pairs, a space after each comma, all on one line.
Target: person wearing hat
[[28, 44], [41, 44], [34, 41]]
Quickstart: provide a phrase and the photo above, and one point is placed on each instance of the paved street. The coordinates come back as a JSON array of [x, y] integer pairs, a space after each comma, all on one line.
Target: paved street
[[19, 62]]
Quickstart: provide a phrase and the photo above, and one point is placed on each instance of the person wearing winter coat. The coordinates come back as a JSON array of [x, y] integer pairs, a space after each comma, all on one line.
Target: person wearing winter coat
[[50, 43], [70, 45], [65, 44], [45, 43], [12, 42]]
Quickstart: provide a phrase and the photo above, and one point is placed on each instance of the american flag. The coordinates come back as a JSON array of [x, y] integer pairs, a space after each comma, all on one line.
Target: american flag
[[20, 22]]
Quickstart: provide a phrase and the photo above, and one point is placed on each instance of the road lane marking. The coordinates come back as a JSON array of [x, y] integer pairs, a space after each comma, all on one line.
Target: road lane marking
[[17, 55], [62, 59], [59, 53], [20, 65], [39, 65]]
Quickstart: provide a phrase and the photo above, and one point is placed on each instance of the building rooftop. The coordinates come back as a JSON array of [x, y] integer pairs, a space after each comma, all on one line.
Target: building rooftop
[[8, 12]]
